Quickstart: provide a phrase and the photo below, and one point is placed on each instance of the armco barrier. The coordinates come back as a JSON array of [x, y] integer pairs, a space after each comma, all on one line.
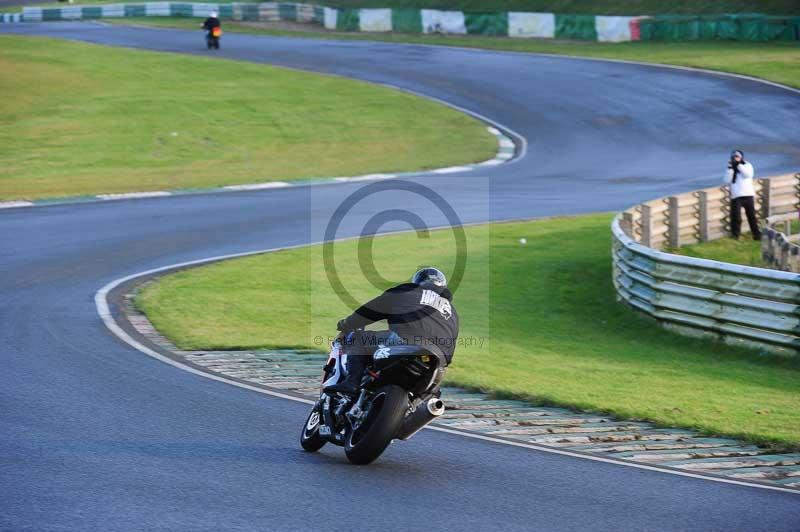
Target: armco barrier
[[506, 24], [743, 305]]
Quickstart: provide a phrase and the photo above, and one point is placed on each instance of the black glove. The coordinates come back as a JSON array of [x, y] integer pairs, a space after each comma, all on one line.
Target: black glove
[[734, 165], [340, 325]]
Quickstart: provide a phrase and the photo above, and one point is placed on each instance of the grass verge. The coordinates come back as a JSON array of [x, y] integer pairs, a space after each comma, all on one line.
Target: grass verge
[[773, 61], [546, 310], [80, 119], [744, 251]]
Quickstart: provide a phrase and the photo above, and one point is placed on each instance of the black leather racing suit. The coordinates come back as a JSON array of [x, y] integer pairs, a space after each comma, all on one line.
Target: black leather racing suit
[[418, 315], [211, 23]]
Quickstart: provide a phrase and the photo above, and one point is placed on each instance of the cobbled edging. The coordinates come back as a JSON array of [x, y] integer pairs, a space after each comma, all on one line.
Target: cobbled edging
[[298, 372]]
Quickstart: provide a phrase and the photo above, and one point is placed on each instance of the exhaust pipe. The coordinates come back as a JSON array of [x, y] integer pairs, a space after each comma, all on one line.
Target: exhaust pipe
[[425, 412], [435, 406]]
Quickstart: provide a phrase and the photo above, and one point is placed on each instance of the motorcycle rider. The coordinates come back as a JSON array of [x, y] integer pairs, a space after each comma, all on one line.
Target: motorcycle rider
[[211, 22], [419, 313]]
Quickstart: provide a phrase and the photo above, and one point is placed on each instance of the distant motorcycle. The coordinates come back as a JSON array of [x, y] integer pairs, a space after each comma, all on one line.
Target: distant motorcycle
[[212, 38], [398, 396]]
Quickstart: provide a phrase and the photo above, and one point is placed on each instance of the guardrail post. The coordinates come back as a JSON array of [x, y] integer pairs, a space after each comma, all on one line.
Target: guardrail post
[[766, 246], [702, 213], [765, 194], [627, 224], [725, 207], [797, 191], [673, 222], [647, 225], [783, 263]]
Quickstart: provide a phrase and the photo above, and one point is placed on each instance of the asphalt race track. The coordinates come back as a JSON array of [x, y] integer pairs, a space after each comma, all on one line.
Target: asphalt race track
[[96, 436]]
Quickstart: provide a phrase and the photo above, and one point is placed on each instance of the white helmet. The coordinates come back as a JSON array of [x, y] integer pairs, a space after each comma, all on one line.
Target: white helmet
[[213, 14]]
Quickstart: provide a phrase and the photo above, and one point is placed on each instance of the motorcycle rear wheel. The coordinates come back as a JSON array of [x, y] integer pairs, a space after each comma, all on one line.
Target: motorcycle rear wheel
[[310, 439], [387, 409]]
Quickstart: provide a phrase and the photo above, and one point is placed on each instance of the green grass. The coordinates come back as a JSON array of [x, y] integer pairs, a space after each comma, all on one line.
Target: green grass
[[546, 310], [592, 7], [744, 251], [774, 61], [84, 119]]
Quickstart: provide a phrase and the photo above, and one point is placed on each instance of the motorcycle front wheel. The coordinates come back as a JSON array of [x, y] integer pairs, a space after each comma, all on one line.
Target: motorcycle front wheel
[[370, 438], [310, 439]]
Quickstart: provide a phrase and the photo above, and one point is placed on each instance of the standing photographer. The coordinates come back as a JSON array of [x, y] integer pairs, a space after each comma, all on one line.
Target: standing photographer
[[740, 178]]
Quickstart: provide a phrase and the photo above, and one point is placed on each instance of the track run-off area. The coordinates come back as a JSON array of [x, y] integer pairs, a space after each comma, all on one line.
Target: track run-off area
[[96, 436]]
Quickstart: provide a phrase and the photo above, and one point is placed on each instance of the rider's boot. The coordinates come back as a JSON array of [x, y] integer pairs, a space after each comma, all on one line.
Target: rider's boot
[[355, 371]]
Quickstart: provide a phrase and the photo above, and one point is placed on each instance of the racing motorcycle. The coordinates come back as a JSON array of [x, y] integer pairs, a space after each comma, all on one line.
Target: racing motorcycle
[[399, 394], [212, 38]]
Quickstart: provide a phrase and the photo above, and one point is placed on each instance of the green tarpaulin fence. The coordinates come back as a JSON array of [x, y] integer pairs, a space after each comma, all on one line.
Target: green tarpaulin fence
[[180, 10], [581, 27], [135, 10], [407, 20], [91, 12], [51, 14], [287, 12], [747, 27], [347, 20], [319, 14], [248, 12], [493, 24], [225, 11]]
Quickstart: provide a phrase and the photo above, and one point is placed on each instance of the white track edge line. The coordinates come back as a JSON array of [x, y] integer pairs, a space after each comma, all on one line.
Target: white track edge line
[[518, 140], [637, 465], [105, 314], [104, 311]]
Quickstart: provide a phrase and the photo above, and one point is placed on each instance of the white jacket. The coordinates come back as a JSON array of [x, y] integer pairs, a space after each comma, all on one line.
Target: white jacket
[[744, 181]]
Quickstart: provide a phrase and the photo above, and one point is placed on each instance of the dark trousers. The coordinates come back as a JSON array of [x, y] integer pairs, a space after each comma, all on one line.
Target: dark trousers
[[748, 204]]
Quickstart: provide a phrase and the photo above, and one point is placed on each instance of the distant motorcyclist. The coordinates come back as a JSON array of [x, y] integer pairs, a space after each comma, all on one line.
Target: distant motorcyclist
[[212, 22], [419, 313], [213, 28]]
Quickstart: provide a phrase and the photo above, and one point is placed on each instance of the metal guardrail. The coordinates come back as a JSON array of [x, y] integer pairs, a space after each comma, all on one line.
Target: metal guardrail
[[742, 305]]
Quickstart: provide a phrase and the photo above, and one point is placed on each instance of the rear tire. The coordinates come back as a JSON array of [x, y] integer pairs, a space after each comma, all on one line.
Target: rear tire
[[310, 440], [387, 410]]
